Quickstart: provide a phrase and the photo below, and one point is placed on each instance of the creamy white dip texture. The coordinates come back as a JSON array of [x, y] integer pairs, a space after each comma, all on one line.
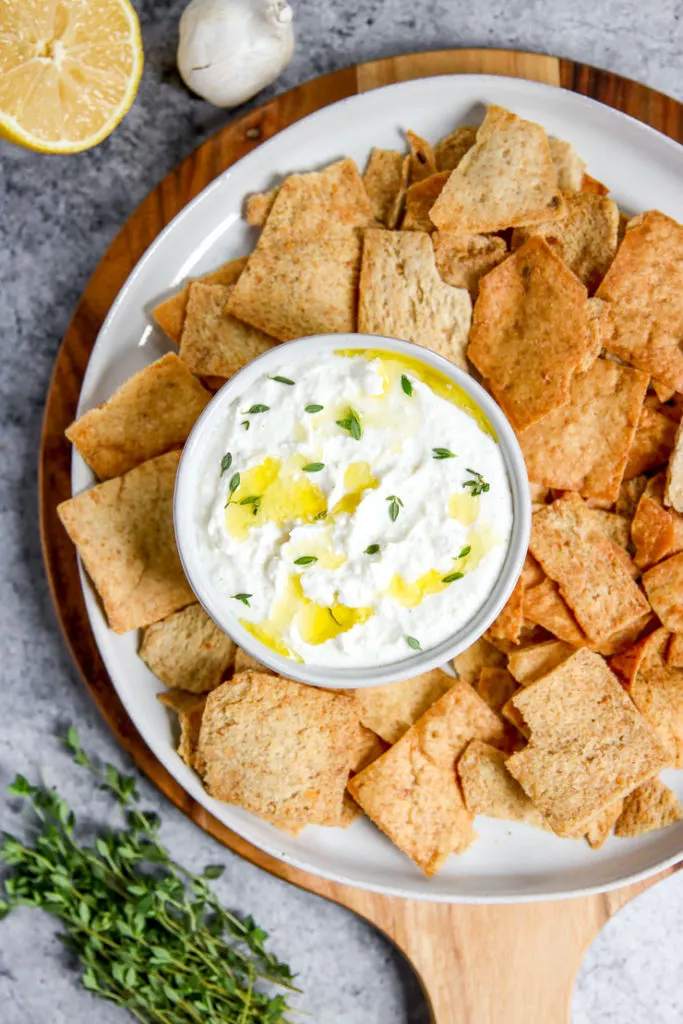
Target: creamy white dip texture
[[353, 508]]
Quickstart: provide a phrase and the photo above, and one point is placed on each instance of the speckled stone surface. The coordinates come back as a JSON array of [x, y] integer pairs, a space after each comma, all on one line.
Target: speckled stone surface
[[57, 218]]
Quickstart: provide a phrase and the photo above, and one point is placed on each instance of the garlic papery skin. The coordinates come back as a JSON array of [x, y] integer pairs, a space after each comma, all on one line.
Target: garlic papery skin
[[229, 50]]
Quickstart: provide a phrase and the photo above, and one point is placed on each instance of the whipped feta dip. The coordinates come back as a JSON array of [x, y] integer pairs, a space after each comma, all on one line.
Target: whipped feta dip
[[353, 508]]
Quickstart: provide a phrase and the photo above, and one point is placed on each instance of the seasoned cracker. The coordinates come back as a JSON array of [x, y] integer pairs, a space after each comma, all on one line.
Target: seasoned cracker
[[568, 165], [188, 651], [386, 180], [481, 654], [170, 315], [450, 150], [590, 573], [534, 662], [657, 690], [529, 332], [123, 531], [189, 708], [589, 745], [411, 792], [278, 748], [402, 295], [584, 444], [652, 444], [507, 178], [151, 413], [213, 343], [585, 238], [664, 588], [419, 200], [648, 330], [422, 160], [391, 710], [488, 787], [495, 686], [650, 807], [462, 260]]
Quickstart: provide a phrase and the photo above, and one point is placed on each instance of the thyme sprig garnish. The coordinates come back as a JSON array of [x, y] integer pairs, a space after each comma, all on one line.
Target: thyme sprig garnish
[[284, 380], [394, 507], [406, 385], [352, 424], [254, 500], [244, 598], [371, 549], [232, 487], [245, 424], [150, 935], [414, 644], [305, 560], [313, 467], [314, 408], [257, 408], [452, 577], [443, 453], [226, 463], [464, 552], [478, 485]]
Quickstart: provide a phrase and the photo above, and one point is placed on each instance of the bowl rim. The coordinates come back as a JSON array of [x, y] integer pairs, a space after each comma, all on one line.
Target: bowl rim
[[354, 677]]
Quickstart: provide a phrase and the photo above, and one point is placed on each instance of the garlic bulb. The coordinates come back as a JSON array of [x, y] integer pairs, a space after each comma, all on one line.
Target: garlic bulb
[[229, 50]]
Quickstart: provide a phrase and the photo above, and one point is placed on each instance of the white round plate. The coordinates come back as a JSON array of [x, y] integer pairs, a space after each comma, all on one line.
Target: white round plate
[[509, 862]]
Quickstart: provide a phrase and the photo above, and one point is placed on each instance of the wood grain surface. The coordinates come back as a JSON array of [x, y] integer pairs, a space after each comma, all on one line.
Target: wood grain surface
[[478, 964]]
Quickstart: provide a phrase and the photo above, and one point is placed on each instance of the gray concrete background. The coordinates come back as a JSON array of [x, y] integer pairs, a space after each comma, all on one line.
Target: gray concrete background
[[57, 217]]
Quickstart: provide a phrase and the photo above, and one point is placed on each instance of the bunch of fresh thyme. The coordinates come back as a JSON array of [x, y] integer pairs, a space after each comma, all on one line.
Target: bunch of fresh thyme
[[150, 935]]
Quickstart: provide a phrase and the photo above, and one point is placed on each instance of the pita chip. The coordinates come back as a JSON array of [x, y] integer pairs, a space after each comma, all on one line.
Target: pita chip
[[489, 788], [648, 330], [507, 178], [509, 623], [495, 686], [450, 150], [123, 531], [673, 491], [422, 161], [402, 295], [391, 710], [544, 605], [649, 807], [419, 200], [534, 662], [245, 663], [674, 652], [585, 238], [601, 827], [411, 792], [664, 588], [593, 187], [568, 165], [188, 651], [589, 745], [583, 445], [462, 260], [170, 315], [657, 690], [652, 533], [481, 654], [386, 180], [151, 413], [189, 708], [529, 332], [652, 443], [630, 492], [258, 206]]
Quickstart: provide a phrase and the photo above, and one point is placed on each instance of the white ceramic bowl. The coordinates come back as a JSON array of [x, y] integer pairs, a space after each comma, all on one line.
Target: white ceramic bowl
[[185, 515]]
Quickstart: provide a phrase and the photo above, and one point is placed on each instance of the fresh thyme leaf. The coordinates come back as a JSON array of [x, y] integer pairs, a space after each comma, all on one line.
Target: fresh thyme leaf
[[149, 934], [313, 467], [232, 487], [281, 380], [352, 424], [226, 463], [257, 408], [371, 549], [413, 643], [252, 499], [305, 560], [406, 385], [244, 598], [478, 485], [465, 551], [246, 424], [452, 577], [333, 618], [314, 408], [394, 507], [443, 453]]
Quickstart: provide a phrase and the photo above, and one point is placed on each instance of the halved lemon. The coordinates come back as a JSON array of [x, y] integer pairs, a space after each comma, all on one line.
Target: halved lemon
[[69, 71]]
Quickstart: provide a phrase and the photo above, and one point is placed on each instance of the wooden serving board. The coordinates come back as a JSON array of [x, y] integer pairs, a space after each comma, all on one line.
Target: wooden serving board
[[472, 960]]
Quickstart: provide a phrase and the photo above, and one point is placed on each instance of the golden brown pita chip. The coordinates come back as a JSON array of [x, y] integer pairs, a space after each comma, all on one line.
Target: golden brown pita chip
[[245, 663], [532, 574], [532, 663], [652, 533], [657, 690], [402, 295], [386, 180], [419, 200], [258, 207], [170, 315], [583, 445], [489, 788], [188, 651], [664, 588], [544, 605], [674, 652], [648, 331], [585, 238], [568, 165], [509, 623], [652, 444], [390, 710], [590, 573], [651, 806], [630, 492], [601, 827], [153, 412], [370, 746], [529, 332], [597, 324], [589, 745], [593, 186], [664, 394], [123, 531], [507, 178], [302, 277], [673, 492], [411, 792], [462, 260], [481, 654], [422, 161], [189, 708], [213, 343], [450, 150], [278, 748], [495, 686]]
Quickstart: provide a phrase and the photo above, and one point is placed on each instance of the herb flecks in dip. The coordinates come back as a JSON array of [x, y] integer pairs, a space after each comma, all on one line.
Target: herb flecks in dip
[[367, 503]]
